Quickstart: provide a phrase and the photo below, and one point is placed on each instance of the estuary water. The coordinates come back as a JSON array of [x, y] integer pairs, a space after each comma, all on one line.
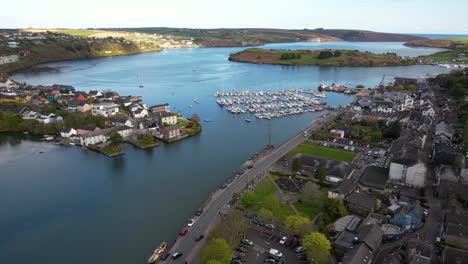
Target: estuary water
[[75, 206]]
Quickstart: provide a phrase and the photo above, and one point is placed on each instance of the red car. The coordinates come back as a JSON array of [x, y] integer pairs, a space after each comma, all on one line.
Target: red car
[[183, 232], [288, 242]]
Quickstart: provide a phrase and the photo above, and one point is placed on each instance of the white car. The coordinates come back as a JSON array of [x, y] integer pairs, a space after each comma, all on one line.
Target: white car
[[190, 222], [299, 250], [275, 253], [283, 240]]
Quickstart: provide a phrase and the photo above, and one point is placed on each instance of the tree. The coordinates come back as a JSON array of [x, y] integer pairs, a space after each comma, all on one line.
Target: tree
[[230, 228], [10, 122], [214, 261], [412, 87], [337, 53], [393, 131], [321, 173], [317, 247], [325, 54], [296, 224], [297, 164], [265, 215], [115, 139], [335, 210], [311, 193], [248, 200], [399, 88], [216, 251]]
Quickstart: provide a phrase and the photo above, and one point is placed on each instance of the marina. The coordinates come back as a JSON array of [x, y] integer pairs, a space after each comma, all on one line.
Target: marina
[[271, 104]]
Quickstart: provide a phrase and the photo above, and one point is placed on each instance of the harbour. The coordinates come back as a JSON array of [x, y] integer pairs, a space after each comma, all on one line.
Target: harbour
[[67, 205]]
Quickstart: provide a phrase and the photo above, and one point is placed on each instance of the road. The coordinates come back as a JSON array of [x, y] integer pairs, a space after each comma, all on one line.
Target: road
[[211, 214]]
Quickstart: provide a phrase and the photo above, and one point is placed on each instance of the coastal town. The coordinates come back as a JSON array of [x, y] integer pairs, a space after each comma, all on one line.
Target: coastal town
[[98, 120], [383, 180]]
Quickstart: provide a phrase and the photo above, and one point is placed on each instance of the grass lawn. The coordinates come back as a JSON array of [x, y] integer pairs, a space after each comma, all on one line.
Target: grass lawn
[[266, 197], [307, 209], [182, 122], [316, 150], [110, 150]]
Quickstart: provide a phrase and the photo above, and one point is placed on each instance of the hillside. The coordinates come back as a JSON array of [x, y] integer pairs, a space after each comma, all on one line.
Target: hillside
[[319, 58], [257, 36], [457, 50]]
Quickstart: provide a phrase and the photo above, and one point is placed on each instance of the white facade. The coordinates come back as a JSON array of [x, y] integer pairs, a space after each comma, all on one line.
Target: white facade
[[428, 111], [105, 110], [171, 120], [69, 133]]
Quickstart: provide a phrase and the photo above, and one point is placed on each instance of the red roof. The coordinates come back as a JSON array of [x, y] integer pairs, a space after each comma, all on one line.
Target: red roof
[[55, 92], [80, 97]]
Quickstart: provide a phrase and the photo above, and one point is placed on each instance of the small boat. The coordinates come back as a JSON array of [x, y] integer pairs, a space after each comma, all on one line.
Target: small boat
[[41, 151], [141, 86], [190, 106], [196, 100], [248, 120], [158, 252], [207, 120]]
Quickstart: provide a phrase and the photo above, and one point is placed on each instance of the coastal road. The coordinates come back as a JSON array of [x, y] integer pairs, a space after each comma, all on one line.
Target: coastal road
[[211, 214]]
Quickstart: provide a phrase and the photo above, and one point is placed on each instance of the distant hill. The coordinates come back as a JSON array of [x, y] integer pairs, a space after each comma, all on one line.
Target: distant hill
[[222, 37]]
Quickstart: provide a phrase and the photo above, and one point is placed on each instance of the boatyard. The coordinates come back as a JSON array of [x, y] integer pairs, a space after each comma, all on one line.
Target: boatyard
[[272, 104]]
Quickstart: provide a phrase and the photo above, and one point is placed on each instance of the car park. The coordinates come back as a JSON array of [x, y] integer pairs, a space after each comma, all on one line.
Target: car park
[[288, 242]]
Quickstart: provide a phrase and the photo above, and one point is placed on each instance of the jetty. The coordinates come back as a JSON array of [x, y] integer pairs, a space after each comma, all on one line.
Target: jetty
[[272, 104]]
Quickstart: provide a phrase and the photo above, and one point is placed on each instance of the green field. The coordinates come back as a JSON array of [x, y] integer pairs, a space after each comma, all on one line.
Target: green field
[[316, 150], [461, 40]]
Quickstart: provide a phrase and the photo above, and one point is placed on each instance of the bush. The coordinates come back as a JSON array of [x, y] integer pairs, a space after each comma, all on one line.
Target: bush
[[325, 54]]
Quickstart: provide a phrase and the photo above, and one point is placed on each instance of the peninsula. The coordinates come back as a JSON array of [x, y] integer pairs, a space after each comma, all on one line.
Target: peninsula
[[326, 57]]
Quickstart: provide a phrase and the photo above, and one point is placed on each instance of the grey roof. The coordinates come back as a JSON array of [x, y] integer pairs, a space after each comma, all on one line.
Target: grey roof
[[375, 177], [371, 235], [105, 131], [346, 240], [361, 199], [345, 187], [418, 247], [171, 128], [360, 254], [339, 169], [452, 255]]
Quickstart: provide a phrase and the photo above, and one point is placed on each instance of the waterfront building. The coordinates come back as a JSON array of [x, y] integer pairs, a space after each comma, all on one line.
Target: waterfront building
[[160, 108], [171, 132], [109, 109]]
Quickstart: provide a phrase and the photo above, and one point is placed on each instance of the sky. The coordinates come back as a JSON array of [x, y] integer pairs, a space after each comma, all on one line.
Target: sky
[[404, 16]]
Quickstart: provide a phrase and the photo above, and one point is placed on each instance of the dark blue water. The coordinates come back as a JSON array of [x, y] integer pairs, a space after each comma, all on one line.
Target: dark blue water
[[75, 206]]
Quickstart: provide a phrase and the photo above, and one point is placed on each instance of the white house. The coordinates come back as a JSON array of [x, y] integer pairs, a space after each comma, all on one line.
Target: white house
[[109, 109], [8, 59], [428, 111], [167, 118], [67, 133], [100, 136], [140, 113], [45, 119]]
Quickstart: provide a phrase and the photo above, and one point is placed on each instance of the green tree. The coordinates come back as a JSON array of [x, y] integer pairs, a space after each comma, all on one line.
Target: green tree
[[321, 173], [297, 164], [393, 131], [230, 228], [115, 139], [412, 87], [217, 250], [317, 247], [248, 200], [325, 54], [10, 122], [296, 224], [337, 53], [214, 261], [334, 209], [311, 193], [399, 88], [265, 215]]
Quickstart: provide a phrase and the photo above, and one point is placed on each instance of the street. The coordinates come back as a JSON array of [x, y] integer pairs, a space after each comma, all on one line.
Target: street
[[211, 214]]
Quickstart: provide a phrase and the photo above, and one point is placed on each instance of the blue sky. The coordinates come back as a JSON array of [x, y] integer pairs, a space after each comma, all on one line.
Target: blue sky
[[408, 16]]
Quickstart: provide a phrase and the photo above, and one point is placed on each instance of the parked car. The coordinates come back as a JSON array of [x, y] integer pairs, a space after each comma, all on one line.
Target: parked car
[[269, 261], [288, 242], [176, 255], [299, 249], [275, 253], [236, 261], [240, 254], [165, 256], [183, 232], [241, 249], [271, 226], [247, 242], [199, 212], [283, 240], [190, 222], [200, 237]]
